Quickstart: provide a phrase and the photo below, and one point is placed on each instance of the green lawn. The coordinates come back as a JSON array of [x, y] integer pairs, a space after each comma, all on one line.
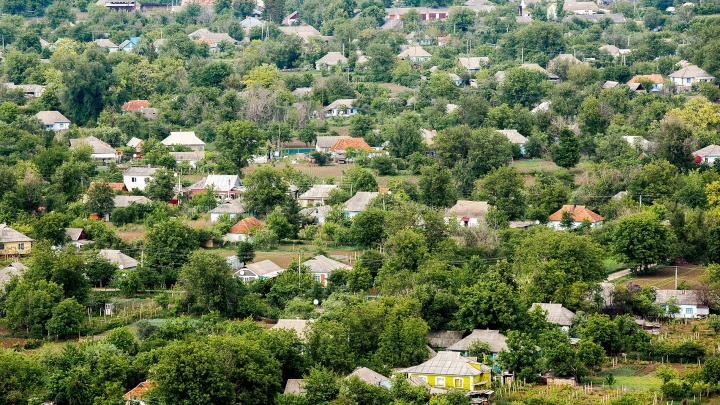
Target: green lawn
[[631, 382], [622, 371], [611, 266]]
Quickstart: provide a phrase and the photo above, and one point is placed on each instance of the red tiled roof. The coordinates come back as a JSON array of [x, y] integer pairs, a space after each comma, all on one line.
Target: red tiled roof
[[137, 392], [383, 190], [246, 225], [113, 186], [578, 212], [344, 143], [653, 78], [135, 105]]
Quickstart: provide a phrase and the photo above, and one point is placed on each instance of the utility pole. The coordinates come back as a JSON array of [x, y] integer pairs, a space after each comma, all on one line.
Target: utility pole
[[676, 277], [298, 269]]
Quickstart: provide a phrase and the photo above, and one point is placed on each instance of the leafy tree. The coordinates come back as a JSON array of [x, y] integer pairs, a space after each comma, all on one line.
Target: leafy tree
[[641, 240], [381, 62], [592, 121], [358, 179], [321, 385], [130, 284], [99, 270], [161, 186], [204, 201], [20, 377], [278, 223], [566, 153], [675, 142], [168, 245], [51, 228], [436, 187], [245, 252], [492, 302], [66, 319], [503, 188], [29, 306], [523, 86], [237, 142], [209, 284], [86, 86], [266, 189], [122, 338], [666, 373], [368, 227], [710, 372], [100, 199], [601, 330], [404, 136], [522, 356], [655, 181]]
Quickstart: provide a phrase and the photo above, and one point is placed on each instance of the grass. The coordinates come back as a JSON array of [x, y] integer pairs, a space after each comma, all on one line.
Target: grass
[[622, 371], [664, 278], [631, 382], [611, 266]]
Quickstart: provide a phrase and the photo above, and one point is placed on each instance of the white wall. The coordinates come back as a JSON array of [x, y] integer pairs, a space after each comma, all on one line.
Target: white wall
[[139, 183]]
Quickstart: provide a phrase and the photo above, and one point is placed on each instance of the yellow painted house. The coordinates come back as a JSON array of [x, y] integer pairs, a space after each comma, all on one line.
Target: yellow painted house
[[451, 370], [13, 242]]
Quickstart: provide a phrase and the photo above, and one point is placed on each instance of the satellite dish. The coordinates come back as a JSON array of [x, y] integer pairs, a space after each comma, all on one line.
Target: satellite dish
[[315, 301], [242, 272]]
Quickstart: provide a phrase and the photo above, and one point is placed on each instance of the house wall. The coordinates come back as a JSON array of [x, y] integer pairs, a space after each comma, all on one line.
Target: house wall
[[239, 237], [310, 202], [58, 126], [710, 160], [321, 278], [214, 216], [450, 381], [139, 183], [473, 222], [556, 225], [15, 248], [695, 312]]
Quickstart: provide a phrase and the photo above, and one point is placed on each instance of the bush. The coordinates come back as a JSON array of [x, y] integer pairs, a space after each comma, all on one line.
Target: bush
[[33, 344], [266, 240], [144, 329]]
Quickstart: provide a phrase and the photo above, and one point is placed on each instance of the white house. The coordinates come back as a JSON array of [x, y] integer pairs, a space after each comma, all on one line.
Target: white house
[[557, 314], [102, 152], [467, 213], [330, 59], [690, 75], [579, 8], [191, 157], [259, 271], [316, 194], [579, 213], [515, 138], [340, 108], [690, 302], [118, 258], [321, 267], [415, 54], [138, 177], [224, 185], [493, 338], [243, 230], [108, 44], [233, 208], [707, 154], [324, 143], [473, 64], [359, 202], [318, 214], [184, 139], [53, 120]]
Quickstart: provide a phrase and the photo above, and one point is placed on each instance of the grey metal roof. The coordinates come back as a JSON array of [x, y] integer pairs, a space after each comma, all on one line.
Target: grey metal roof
[[191, 156], [123, 201], [360, 201], [492, 337], [468, 209], [513, 136], [443, 338], [318, 191], [8, 234], [265, 268], [682, 297], [693, 72], [445, 363], [556, 313], [74, 233], [294, 386], [118, 258], [298, 325], [327, 141], [140, 171], [323, 264], [51, 117], [182, 138], [710, 150], [99, 147], [235, 206], [14, 269], [368, 376]]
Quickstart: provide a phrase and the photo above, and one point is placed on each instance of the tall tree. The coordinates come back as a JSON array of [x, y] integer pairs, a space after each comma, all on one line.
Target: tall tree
[[210, 284], [237, 142], [161, 186], [503, 188], [404, 135], [168, 246], [100, 198], [566, 153], [641, 240], [266, 189], [436, 187]]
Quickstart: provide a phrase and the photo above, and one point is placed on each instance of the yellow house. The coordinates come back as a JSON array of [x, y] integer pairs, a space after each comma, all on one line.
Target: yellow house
[[451, 370], [13, 242]]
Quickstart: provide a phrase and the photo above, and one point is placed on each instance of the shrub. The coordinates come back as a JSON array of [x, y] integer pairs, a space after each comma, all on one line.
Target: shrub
[[144, 329]]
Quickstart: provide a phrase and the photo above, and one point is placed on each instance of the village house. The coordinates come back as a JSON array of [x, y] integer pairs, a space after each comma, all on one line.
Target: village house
[[77, 237], [443, 339], [107, 44], [690, 303], [614, 51], [124, 201], [137, 395], [30, 90], [415, 54], [324, 143], [213, 39], [118, 258], [317, 214], [426, 13], [479, 6], [228, 186], [515, 138], [102, 152], [321, 267], [141, 106], [303, 30], [343, 144], [340, 108], [192, 158], [14, 269], [707, 154], [451, 370], [187, 139], [493, 338], [562, 58], [557, 314], [291, 18], [638, 141], [137, 144], [616, 18], [370, 377], [359, 202], [316, 194], [689, 75], [656, 80], [580, 8], [243, 231], [473, 64], [53, 120], [259, 271], [232, 208], [578, 213], [128, 44], [467, 213], [137, 177], [13, 243], [552, 77], [250, 22], [330, 59]]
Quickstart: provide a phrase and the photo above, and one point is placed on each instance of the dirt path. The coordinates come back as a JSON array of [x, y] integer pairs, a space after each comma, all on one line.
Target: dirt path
[[618, 274]]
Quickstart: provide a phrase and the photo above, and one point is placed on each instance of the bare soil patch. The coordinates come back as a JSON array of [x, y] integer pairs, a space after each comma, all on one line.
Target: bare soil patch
[[665, 278]]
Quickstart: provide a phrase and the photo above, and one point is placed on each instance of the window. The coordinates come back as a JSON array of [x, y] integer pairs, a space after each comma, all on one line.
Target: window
[[133, 180], [317, 278], [422, 377], [21, 246], [688, 311], [688, 80], [458, 383], [439, 381], [2, 246]]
